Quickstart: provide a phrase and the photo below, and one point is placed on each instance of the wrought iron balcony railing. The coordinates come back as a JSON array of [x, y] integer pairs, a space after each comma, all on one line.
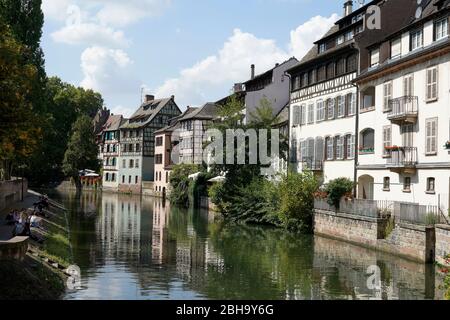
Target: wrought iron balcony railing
[[404, 109], [312, 164], [402, 157]]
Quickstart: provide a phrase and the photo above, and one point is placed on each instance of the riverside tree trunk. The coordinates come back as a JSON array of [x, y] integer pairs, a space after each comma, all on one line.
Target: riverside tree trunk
[[6, 169]]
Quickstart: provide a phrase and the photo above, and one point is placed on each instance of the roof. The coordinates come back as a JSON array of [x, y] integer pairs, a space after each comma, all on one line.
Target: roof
[[175, 122], [208, 111], [269, 71], [113, 123], [282, 116], [146, 113]]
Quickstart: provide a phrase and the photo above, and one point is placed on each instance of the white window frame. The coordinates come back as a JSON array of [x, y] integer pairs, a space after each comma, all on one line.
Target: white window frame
[[339, 147], [352, 104], [396, 48], [387, 139], [416, 39], [303, 114], [331, 107], [408, 85], [311, 113], [441, 29], [350, 146], [432, 83], [431, 136], [341, 106], [329, 147], [374, 57], [387, 95], [320, 110]]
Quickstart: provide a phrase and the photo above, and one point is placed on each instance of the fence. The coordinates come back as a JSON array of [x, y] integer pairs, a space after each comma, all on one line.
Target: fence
[[322, 204], [419, 214]]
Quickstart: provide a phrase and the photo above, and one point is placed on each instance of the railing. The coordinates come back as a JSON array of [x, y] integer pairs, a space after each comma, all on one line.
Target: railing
[[360, 207], [403, 107], [322, 204], [402, 157], [311, 164], [418, 214]]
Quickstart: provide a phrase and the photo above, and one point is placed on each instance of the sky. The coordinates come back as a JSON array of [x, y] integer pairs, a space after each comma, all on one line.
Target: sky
[[192, 49]]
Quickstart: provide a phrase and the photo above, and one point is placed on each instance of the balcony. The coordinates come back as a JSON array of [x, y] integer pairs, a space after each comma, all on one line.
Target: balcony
[[403, 110], [402, 160], [312, 165]]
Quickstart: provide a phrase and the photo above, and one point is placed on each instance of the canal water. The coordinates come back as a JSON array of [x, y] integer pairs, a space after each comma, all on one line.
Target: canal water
[[132, 247]]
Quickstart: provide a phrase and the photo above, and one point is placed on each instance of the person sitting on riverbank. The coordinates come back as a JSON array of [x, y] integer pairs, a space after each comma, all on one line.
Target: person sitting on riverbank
[[10, 218], [35, 221]]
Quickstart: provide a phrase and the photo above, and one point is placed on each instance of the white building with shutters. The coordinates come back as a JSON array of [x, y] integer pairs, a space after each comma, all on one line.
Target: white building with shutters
[[404, 116], [323, 102]]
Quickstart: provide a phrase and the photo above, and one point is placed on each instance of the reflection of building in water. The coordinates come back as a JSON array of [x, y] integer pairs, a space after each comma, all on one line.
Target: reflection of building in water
[[160, 233], [119, 225], [89, 202], [348, 265]]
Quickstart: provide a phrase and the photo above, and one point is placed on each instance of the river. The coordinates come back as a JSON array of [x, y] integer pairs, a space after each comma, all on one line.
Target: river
[[132, 247]]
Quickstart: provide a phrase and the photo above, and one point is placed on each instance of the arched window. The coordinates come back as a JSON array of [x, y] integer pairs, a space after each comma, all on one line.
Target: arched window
[[367, 144]]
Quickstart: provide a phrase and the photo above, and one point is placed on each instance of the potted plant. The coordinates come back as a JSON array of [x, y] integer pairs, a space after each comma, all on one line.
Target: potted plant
[[447, 145], [392, 148]]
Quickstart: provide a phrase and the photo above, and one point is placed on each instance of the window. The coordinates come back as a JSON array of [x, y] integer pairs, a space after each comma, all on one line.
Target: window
[[331, 72], [407, 133], [305, 81], [330, 148], [350, 146], [159, 141], [367, 141], [349, 35], [322, 73], [341, 106], [416, 39], [303, 114], [322, 47], [136, 163], [303, 150], [374, 57], [352, 63], [340, 40], [296, 83], [311, 113], [407, 184], [319, 148], [396, 48], [387, 95], [131, 164], [432, 84], [339, 147], [386, 184], [408, 85], [167, 177], [320, 110], [159, 159], [107, 177], [351, 104], [136, 180], [341, 67], [431, 128], [441, 29], [124, 164], [387, 140], [330, 109], [113, 179], [123, 179], [431, 185], [296, 115], [368, 99], [129, 179], [312, 77]]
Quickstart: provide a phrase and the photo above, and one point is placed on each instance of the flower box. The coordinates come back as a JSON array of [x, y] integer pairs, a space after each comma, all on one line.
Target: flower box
[[392, 148]]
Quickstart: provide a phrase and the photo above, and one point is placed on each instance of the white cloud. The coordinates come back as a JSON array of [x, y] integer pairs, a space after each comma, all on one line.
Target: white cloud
[[206, 80], [107, 70], [306, 34], [55, 9], [90, 34]]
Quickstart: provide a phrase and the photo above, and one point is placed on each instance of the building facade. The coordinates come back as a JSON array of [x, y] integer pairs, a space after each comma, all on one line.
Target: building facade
[[323, 102], [404, 116], [137, 142], [110, 152]]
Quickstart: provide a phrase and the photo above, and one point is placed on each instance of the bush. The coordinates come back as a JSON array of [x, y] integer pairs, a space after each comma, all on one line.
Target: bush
[[338, 188], [296, 200], [180, 183]]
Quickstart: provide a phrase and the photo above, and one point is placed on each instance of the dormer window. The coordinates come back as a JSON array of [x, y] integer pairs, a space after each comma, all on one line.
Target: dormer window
[[396, 48], [322, 47], [349, 35], [375, 57], [340, 40], [441, 29], [416, 39]]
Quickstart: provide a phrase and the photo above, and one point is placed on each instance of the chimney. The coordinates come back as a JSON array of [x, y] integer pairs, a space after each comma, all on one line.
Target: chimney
[[172, 97], [253, 72], [149, 98], [348, 8]]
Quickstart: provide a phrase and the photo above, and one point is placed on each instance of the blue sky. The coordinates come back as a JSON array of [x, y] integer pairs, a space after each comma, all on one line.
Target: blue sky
[[193, 49]]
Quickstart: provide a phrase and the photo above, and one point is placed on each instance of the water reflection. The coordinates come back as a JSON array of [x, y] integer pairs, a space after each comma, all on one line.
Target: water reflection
[[142, 248]]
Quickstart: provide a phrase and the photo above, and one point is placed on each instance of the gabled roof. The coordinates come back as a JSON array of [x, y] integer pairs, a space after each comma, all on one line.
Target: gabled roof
[[175, 122], [206, 112], [146, 113], [113, 123], [267, 72]]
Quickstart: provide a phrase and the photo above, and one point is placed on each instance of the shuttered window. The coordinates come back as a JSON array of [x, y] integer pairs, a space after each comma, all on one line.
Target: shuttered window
[[350, 146], [431, 127], [341, 106], [396, 48], [387, 95], [408, 85], [320, 110], [311, 113], [441, 29], [351, 104], [432, 84], [416, 38], [303, 114], [339, 147], [330, 109], [319, 149], [296, 121], [374, 57], [330, 148], [387, 140]]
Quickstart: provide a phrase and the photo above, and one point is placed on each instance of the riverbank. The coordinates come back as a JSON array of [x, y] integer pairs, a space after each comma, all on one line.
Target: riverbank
[[41, 273]]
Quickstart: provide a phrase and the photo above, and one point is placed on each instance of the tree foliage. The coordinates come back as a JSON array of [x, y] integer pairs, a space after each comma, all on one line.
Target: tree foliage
[[81, 150], [19, 134], [180, 183], [336, 189]]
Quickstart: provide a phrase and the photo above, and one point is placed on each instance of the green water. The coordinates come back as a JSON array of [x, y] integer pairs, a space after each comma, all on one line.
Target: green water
[[140, 248]]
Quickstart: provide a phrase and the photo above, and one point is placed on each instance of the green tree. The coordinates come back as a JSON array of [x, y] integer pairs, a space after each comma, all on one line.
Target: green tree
[[338, 188], [19, 133], [81, 150], [180, 183]]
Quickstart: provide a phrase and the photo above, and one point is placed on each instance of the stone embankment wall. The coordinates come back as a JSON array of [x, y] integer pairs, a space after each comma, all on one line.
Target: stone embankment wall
[[442, 243], [11, 192], [410, 241]]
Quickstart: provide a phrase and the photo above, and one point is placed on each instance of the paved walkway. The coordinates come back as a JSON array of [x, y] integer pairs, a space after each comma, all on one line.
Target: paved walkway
[[5, 230]]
